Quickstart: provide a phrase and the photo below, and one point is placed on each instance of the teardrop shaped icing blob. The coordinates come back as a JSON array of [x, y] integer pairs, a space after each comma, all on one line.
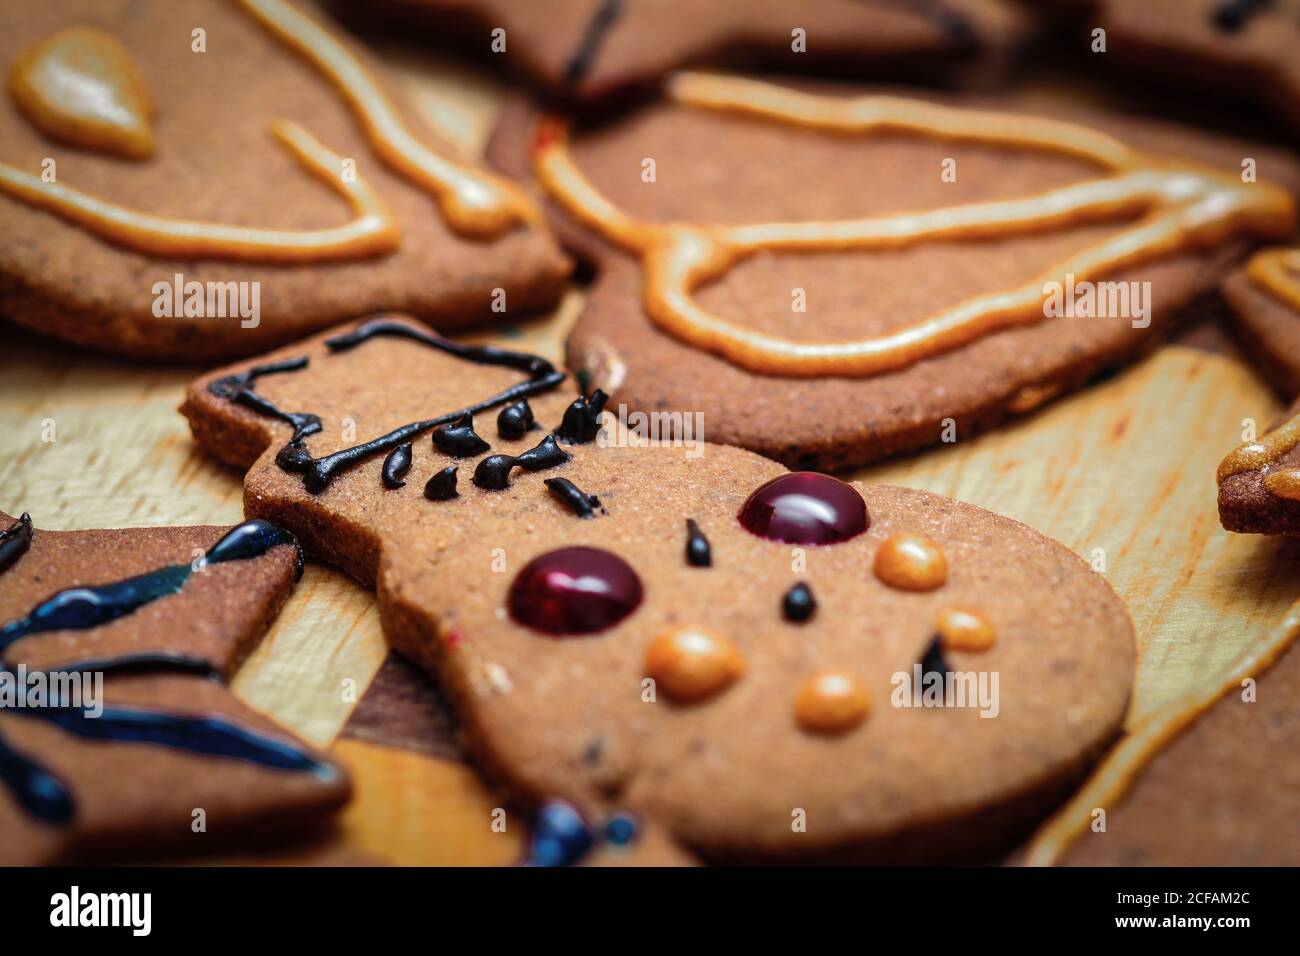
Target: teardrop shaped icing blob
[[805, 507], [574, 591], [82, 87]]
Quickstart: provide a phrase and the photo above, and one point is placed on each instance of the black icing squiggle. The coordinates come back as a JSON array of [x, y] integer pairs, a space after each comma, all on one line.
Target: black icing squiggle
[[317, 473], [493, 472], [574, 498], [602, 20], [238, 388], [15, 541], [534, 365]]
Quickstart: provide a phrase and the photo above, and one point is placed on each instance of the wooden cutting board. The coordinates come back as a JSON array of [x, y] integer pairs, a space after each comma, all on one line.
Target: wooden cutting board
[[1123, 473]]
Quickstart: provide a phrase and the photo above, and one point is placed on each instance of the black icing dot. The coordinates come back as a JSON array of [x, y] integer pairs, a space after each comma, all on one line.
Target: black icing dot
[[442, 485], [396, 465], [582, 419], [698, 552], [932, 661], [515, 420], [459, 439], [798, 605]]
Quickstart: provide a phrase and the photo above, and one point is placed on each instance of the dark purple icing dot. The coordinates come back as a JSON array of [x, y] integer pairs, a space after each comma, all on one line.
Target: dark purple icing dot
[[805, 508], [574, 591]]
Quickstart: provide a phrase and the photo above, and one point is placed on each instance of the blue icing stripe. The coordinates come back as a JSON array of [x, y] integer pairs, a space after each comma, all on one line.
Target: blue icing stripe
[[34, 788], [44, 796], [209, 735], [83, 608], [40, 792]]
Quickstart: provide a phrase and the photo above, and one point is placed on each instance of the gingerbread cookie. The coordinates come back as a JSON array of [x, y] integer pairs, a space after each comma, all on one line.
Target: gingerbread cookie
[[574, 589], [402, 709], [116, 739], [1259, 482], [1263, 299], [585, 53], [1244, 48], [1004, 258], [1184, 788], [202, 179]]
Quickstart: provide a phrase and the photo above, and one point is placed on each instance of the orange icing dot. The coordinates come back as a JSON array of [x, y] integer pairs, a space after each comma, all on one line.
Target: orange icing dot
[[911, 562], [690, 663], [831, 702], [81, 86], [1184, 206], [473, 202], [965, 629]]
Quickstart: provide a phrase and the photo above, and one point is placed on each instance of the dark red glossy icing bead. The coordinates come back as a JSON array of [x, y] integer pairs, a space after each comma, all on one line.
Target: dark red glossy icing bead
[[574, 591], [805, 508]]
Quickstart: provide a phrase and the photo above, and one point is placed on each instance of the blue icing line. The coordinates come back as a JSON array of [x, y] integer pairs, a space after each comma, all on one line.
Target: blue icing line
[[35, 789], [82, 608]]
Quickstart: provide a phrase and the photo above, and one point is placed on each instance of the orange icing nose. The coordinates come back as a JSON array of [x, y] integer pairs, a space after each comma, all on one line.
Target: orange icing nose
[[831, 703], [82, 87], [691, 664], [963, 629], [911, 562]]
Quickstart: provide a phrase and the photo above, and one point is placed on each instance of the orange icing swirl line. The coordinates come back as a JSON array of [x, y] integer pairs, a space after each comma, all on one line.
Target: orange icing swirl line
[[371, 232], [1284, 483], [1117, 773], [472, 202], [1255, 455], [1195, 206]]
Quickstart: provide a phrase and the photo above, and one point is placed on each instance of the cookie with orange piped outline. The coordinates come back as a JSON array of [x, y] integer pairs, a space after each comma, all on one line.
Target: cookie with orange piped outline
[[1182, 789], [1263, 298], [692, 635], [1001, 258], [219, 177], [1242, 48], [116, 739], [1259, 482], [598, 53]]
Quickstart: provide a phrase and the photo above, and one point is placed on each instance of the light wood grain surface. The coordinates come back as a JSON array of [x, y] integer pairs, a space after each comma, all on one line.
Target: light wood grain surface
[[1126, 467]]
